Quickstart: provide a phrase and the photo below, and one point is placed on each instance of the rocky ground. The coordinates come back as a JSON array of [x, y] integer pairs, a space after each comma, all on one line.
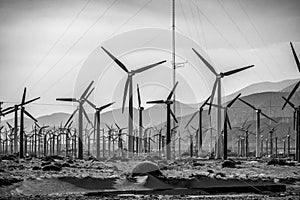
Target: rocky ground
[[58, 178]]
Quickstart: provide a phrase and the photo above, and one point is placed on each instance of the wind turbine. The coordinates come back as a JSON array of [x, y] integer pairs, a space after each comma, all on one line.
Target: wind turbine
[[139, 150], [219, 76], [199, 138], [15, 109], [297, 109], [168, 102], [81, 110], [258, 132], [128, 85], [246, 136], [226, 122], [120, 139], [97, 125], [159, 141]]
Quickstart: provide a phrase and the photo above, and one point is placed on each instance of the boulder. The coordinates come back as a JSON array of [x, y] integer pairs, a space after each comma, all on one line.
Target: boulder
[[45, 163], [146, 168], [36, 168], [65, 165], [51, 168], [228, 163]]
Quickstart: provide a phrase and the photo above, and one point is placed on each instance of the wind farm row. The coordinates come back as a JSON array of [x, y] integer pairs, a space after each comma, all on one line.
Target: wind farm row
[[93, 139]]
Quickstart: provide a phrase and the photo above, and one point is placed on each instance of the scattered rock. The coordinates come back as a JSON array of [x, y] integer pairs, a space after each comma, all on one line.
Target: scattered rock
[[70, 161], [221, 174], [9, 181], [48, 159], [51, 168], [162, 166], [57, 164], [195, 164], [36, 168], [65, 165], [9, 157], [45, 163], [145, 168], [228, 163], [210, 171], [92, 158], [280, 162]]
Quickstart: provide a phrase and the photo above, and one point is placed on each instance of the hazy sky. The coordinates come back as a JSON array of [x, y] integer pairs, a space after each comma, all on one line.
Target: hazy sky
[[45, 44]]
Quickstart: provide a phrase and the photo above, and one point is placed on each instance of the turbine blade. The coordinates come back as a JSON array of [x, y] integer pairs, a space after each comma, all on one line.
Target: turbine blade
[[215, 105], [205, 131], [248, 126], [10, 111], [7, 109], [172, 92], [148, 67], [139, 95], [66, 99], [37, 125], [291, 94], [289, 102], [205, 102], [193, 128], [295, 56], [86, 90], [156, 101], [24, 96], [237, 70], [95, 119], [9, 125], [71, 116], [105, 106], [233, 100], [213, 95], [173, 115], [29, 115], [107, 126], [268, 117], [69, 126], [89, 94], [248, 104], [210, 67], [32, 100], [90, 103], [86, 116], [117, 126], [228, 121], [125, 94], [244, 123], [295, 120], [191, 119], [116, 60]]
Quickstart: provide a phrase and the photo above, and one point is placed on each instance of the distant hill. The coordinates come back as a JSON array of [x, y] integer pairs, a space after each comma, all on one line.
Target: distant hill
[[290, 87], [265, 87]]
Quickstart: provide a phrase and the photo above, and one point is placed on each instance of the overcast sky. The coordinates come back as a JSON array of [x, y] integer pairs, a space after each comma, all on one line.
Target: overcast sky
[[44, 45]]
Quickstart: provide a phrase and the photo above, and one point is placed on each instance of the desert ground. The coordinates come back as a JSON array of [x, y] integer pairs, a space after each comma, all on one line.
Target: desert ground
[[55, 177]]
